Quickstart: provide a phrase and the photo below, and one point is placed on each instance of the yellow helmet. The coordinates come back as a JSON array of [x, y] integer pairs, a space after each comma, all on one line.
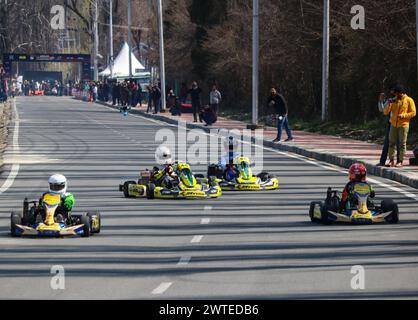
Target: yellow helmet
[[243, 166], [185, 174]]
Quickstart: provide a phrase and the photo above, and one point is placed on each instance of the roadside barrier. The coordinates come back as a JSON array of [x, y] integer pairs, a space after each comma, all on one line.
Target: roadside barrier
[[5, 115]]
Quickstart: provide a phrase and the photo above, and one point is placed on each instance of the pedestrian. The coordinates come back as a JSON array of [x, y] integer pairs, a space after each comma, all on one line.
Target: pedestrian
[[195, 93], [12, 91], [3, 92], [156, 98], [171, 99], [18, 88], [150, 98], [176, 108], [125, 94], [115, 93], [278, 103], [139, 95], [382, 104], [183, 93], [215, 98], [95, 91], [208, 115], [402, 110]]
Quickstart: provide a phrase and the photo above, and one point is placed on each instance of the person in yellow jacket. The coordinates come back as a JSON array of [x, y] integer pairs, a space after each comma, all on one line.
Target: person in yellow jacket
[[402, 110]]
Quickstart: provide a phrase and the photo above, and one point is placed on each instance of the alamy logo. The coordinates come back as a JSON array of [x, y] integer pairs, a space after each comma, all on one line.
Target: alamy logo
[[359, 20], [58, 20], [197, 147], [58, 280], [358, 280]]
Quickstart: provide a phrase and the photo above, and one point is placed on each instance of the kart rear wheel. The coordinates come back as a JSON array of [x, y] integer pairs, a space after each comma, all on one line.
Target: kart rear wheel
[[85, 220], [324, 212], [150, 191], [15, 218], [311, 211], [31, 216], [333, 203], [390, 205], [126, 188], [95, 215]]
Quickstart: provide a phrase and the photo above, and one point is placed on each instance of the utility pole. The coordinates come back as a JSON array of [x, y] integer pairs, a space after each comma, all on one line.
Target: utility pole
[[162, 65], [96, 40], [111, 36], [130, 36], [325, 63], [255, 62]]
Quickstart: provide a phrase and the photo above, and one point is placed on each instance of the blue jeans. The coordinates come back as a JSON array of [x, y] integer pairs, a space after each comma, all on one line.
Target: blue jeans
[[283, 123]]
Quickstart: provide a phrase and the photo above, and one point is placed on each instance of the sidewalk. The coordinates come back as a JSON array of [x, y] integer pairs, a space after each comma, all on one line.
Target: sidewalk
[[335, 150]]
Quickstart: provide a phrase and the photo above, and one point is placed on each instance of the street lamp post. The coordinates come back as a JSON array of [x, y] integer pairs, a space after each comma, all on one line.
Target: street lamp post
[[162, 64], [325, 63], [130, 36], [96, 40], [255, 62], [111, 36]]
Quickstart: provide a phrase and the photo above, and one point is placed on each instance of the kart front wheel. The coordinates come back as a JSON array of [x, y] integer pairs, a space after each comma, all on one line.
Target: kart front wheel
[[390, 205], [126, 188], [85, 221], [15, 218], [95, 221], [150, 191]]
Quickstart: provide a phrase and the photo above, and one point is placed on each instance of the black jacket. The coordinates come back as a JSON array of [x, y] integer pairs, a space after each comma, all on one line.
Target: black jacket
[[195, 94], [280, 104]]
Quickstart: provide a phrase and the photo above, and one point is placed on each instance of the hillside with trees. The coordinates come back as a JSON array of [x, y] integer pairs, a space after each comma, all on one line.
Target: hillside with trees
[[210, 42]]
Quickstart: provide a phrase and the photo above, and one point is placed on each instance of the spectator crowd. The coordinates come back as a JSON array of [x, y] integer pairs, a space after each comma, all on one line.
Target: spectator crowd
[[131, 93]]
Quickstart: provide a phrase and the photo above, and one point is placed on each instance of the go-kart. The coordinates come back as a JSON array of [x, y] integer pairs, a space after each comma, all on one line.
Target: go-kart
[[182, 185], [42, 221], [244, 179], [360, 210]]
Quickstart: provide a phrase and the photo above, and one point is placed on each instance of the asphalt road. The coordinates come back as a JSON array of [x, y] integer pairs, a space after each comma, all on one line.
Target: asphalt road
[[243, 245]]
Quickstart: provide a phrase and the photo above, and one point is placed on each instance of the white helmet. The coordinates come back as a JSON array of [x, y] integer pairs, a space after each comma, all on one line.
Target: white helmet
[[163, 155], [57, 184]]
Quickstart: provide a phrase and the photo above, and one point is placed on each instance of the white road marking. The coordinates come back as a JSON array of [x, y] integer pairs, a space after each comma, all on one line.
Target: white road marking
[[207, 208], [196, 239], [15, 167], [205, 221], [162, 288], [27, 159], [184, 260]]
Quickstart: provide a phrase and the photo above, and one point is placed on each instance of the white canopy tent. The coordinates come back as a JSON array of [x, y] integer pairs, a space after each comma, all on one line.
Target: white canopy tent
[[121, 65]]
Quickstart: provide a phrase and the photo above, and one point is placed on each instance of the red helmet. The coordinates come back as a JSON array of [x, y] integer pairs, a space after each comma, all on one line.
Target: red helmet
[[357, 172]]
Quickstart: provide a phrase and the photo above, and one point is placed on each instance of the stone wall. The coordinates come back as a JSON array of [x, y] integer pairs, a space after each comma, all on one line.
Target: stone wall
[[5, 116]]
